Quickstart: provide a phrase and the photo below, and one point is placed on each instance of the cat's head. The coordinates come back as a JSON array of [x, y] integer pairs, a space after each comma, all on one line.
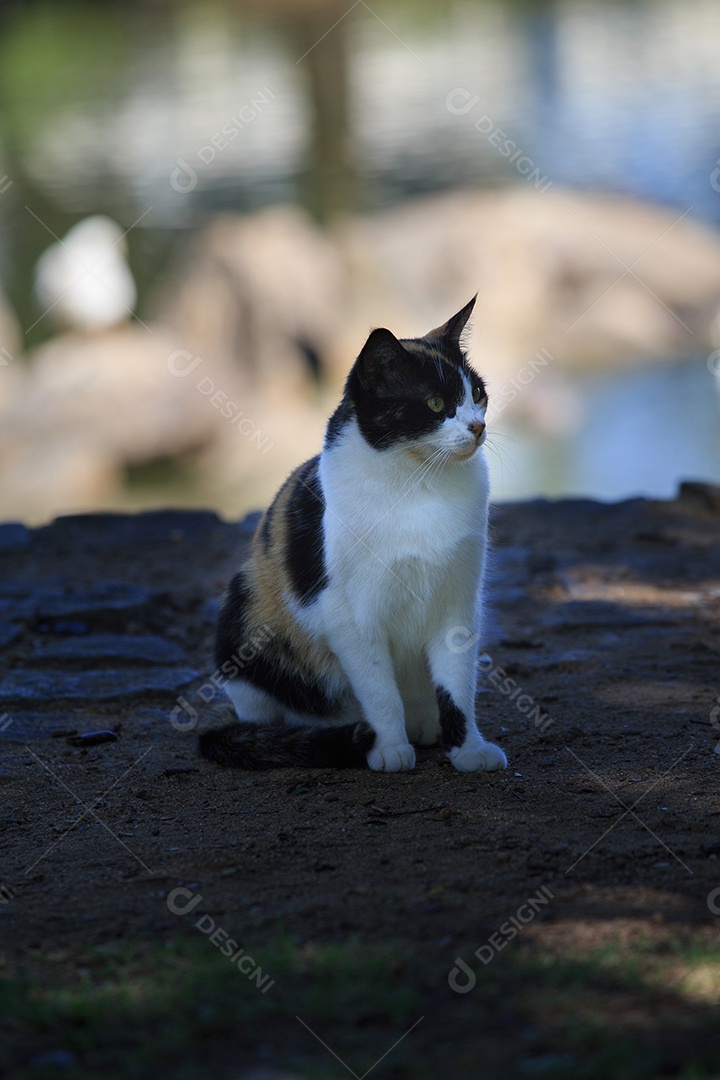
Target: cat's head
[[419, 393]]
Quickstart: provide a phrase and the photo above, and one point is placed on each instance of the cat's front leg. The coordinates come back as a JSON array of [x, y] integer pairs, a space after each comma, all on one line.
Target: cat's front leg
[[369, 669], [454, 676]]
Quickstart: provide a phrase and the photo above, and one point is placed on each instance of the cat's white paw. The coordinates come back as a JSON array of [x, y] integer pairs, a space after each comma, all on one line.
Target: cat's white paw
[[395, 757], [483, 758]]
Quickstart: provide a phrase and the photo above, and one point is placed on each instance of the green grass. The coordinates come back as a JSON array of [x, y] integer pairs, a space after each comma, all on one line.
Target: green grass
[[152, 1009], [642, 1010], [639, 1011]]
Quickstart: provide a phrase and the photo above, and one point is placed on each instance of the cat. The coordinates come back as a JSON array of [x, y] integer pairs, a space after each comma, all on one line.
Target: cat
[[364, 571]]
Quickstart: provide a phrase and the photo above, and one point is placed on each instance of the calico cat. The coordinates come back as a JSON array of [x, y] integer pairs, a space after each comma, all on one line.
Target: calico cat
[[364, 571]]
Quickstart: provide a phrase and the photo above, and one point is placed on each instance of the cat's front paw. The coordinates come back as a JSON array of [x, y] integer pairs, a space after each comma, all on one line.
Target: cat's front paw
[[483, 758], [395, 757]]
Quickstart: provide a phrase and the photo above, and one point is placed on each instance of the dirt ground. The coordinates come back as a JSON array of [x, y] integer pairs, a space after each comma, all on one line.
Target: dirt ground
[[606, 619]]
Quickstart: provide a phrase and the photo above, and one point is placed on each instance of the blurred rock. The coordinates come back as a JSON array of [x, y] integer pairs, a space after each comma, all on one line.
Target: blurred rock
[[228, 376], [89, 406], [126, 392], [593, 279], [267, 290]]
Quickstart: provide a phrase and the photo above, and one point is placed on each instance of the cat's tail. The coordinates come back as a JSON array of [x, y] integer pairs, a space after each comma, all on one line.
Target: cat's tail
[[248, 745]]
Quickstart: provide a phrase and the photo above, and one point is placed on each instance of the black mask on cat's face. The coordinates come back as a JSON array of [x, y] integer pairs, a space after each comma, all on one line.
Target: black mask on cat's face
[[405, 391]]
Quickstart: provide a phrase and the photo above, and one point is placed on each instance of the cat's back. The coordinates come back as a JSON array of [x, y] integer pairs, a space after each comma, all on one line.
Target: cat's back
[[288, 547]]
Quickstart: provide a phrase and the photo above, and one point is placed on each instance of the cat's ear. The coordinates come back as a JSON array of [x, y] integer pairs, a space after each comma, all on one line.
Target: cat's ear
[[451, 331], [380, 355]]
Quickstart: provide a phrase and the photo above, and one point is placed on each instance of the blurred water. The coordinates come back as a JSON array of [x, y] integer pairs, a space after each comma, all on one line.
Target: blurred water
[[623, 96], [638, 432]]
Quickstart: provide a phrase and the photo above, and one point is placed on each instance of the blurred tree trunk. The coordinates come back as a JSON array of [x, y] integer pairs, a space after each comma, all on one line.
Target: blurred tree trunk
[[322, 39]]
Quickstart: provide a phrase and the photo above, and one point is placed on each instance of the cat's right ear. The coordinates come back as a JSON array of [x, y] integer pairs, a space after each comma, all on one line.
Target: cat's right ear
[[380, 354]]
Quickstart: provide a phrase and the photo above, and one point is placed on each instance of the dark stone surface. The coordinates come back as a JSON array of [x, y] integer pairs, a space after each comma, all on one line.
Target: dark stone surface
[[108, 598], [587, 614], [116, 648], [14, 536], [91, 686], [121, 530], [30, 726], [108, 602], [84, 605], [704, 494], [99, 614], [63, 628], [9, 632]]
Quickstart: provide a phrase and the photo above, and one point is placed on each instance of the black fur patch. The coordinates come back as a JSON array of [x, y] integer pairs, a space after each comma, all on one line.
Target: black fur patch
[[453, 724], [266, 526], [276, 671], [339, 421], [231, 632], [305, 555], [391, 403], [264, 659], [266, 746]]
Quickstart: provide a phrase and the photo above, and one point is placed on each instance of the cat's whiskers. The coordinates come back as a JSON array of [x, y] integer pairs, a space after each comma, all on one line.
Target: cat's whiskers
[[419, 471], [496, 434], [431, 466], [437, 462], [435, 459], [501, 455]]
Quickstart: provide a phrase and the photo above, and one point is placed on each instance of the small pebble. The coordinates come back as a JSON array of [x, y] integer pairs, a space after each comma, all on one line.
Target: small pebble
[[446, 813], [92, 738]]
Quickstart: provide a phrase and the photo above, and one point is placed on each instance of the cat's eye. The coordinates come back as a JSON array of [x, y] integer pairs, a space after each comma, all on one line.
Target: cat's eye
[[478, 395], [436, 404]]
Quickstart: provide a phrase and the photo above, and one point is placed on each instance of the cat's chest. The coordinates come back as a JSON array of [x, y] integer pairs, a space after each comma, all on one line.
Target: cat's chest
[[404, 523]]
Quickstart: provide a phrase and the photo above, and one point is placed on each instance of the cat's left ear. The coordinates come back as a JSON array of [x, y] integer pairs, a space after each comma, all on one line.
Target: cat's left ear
[[451, 331], [381, 354]]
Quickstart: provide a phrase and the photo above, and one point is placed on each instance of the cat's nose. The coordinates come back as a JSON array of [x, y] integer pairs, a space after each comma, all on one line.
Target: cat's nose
[[477, 427]]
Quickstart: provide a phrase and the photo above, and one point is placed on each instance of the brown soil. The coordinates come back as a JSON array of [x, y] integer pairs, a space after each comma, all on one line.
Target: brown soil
[[606, 616]]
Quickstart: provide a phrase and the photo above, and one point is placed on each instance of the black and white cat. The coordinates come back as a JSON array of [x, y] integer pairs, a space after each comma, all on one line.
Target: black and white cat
[[362, 570]]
